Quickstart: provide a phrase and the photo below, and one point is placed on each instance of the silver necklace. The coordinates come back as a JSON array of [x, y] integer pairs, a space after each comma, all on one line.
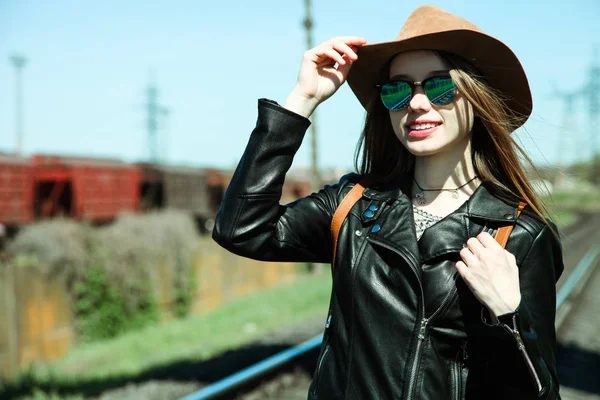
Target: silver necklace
[[420, 196]]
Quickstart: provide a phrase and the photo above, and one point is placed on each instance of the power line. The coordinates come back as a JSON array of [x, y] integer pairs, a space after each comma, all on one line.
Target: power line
[[19, 62], [315, 176], [592, 89], [154, 112]]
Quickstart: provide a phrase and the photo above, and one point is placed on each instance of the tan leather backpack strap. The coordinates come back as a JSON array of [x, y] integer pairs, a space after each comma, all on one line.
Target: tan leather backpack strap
[[504, 232], [341, 213]]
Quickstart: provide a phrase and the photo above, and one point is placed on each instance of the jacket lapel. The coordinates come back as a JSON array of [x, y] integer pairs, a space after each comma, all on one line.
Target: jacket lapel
[[487, 209]]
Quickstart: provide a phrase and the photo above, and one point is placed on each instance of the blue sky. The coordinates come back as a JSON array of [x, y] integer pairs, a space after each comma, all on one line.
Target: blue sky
[[90, 62]]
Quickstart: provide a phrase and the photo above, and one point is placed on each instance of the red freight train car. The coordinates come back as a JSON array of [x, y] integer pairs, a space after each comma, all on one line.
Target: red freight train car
[[84, 188], [198, 191], [16, 190]]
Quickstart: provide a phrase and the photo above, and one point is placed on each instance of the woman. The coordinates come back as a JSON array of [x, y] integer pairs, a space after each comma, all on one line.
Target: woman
[[425, 303]]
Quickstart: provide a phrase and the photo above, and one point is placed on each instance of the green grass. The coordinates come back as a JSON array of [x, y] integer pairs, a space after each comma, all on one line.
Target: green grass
[[575, 201], [564, 218], [195, 338], [565, 206]]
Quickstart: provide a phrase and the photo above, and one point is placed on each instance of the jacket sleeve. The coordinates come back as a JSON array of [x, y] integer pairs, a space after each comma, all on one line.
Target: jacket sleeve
[[250, 221], [524, 342]]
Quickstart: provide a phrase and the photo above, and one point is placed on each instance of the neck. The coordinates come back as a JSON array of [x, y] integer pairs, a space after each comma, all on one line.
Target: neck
[[447, 169]]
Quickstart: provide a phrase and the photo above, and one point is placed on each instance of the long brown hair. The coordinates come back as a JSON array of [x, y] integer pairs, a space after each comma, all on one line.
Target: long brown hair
[[496, 156]]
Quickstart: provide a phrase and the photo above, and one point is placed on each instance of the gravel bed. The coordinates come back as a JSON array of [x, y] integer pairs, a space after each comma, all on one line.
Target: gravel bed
[[291, 385]]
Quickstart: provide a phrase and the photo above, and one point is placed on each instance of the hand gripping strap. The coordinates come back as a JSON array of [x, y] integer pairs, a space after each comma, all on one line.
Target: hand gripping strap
[[342, 211], [356, 193]]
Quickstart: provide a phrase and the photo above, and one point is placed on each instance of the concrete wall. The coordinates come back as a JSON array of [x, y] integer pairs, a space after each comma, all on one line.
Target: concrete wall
[[36, 319]]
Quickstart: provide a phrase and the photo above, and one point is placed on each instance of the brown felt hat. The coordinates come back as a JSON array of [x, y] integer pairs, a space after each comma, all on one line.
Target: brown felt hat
[[431, 28]]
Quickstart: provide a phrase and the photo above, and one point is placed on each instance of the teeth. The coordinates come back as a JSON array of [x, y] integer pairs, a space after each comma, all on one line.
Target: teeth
[[422, 126]]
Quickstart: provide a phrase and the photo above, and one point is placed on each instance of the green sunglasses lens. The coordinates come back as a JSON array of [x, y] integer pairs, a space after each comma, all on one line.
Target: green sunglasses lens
[[440, 90], [396, 95]]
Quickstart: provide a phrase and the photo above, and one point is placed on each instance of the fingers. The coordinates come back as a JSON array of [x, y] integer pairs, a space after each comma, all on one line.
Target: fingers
[[339, 50], [331, 54], [463, 270], [487, 240], [467, 275], [352, 40], [467, 256], [475, 245], [344, 49]]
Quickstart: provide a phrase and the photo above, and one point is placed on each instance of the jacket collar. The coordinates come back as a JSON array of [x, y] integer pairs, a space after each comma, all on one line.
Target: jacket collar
[[487, 208]]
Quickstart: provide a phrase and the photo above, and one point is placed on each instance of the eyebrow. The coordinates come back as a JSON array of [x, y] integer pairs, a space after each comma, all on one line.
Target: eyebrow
[[408, 77]]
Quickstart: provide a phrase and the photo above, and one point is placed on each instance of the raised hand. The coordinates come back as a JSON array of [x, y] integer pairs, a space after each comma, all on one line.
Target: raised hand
[[491, 273], [319, 77]]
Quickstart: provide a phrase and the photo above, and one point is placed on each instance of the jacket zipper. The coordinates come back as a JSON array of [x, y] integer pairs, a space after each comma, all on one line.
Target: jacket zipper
[[421, 338], [515, 333], [322, 358], [456, 381], [417, 359], [424, 321]]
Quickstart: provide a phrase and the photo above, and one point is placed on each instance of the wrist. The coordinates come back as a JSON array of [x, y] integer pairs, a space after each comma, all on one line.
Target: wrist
[[300, 104], [504, 307]]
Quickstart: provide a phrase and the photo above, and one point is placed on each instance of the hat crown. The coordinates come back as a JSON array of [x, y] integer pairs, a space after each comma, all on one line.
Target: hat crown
[[432, 19]]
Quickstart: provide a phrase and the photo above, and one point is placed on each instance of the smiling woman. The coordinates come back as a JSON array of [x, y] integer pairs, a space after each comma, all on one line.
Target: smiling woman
[[425, 303]]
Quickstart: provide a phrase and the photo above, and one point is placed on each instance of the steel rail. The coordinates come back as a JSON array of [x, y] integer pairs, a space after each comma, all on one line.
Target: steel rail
[[578, 272], [239, 378]]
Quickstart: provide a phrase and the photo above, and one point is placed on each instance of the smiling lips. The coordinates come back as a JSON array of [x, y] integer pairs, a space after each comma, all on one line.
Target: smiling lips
[[421, 129]]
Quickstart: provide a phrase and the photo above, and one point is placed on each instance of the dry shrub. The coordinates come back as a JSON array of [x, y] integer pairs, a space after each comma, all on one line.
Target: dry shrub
[[135, 244], [112, 270], [56, 247]]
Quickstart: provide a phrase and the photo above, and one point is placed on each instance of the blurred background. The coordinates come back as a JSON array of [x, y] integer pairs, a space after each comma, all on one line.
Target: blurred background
[[121, 124]]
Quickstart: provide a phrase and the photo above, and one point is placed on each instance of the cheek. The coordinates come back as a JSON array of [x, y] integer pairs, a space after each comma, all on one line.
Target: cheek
[[459, 119], [465, 116], [398, 119]]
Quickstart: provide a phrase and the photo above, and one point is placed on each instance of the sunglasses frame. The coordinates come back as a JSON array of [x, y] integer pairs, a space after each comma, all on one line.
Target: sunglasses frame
[[412, 86]]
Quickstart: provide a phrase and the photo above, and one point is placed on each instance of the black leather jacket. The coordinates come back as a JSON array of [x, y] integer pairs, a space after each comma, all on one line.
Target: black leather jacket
[[402, 323]]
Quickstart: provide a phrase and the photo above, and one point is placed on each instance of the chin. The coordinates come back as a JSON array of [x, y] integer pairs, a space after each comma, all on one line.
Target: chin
[[421, 148]]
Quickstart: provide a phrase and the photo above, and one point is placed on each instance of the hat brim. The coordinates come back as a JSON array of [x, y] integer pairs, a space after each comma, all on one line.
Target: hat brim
[[493, 59]]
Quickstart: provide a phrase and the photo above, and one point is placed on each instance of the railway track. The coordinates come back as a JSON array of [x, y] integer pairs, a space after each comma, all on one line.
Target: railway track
[[577, 324], [577, 318]]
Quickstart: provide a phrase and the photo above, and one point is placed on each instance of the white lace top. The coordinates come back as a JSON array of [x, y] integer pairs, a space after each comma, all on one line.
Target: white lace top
[[423, 220]]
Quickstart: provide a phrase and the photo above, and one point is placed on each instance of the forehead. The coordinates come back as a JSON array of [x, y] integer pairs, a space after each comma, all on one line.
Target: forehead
[[416, 64]]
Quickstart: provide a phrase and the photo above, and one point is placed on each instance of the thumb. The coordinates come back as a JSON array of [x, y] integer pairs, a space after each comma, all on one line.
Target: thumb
[[343, 70]]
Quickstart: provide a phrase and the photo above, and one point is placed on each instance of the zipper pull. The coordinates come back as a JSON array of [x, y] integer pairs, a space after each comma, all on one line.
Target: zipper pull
[[517, 337], [514, 331], [423, 329], [328, 321], [464, 351]]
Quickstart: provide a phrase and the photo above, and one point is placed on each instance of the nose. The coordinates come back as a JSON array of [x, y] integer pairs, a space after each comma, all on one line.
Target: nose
[[419, 100]]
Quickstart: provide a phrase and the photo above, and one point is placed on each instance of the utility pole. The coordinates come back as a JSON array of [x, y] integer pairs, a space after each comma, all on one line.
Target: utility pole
[[315, 176], [594, 98], [592, 89], [154, 111], [19, 62], [568, 123]]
